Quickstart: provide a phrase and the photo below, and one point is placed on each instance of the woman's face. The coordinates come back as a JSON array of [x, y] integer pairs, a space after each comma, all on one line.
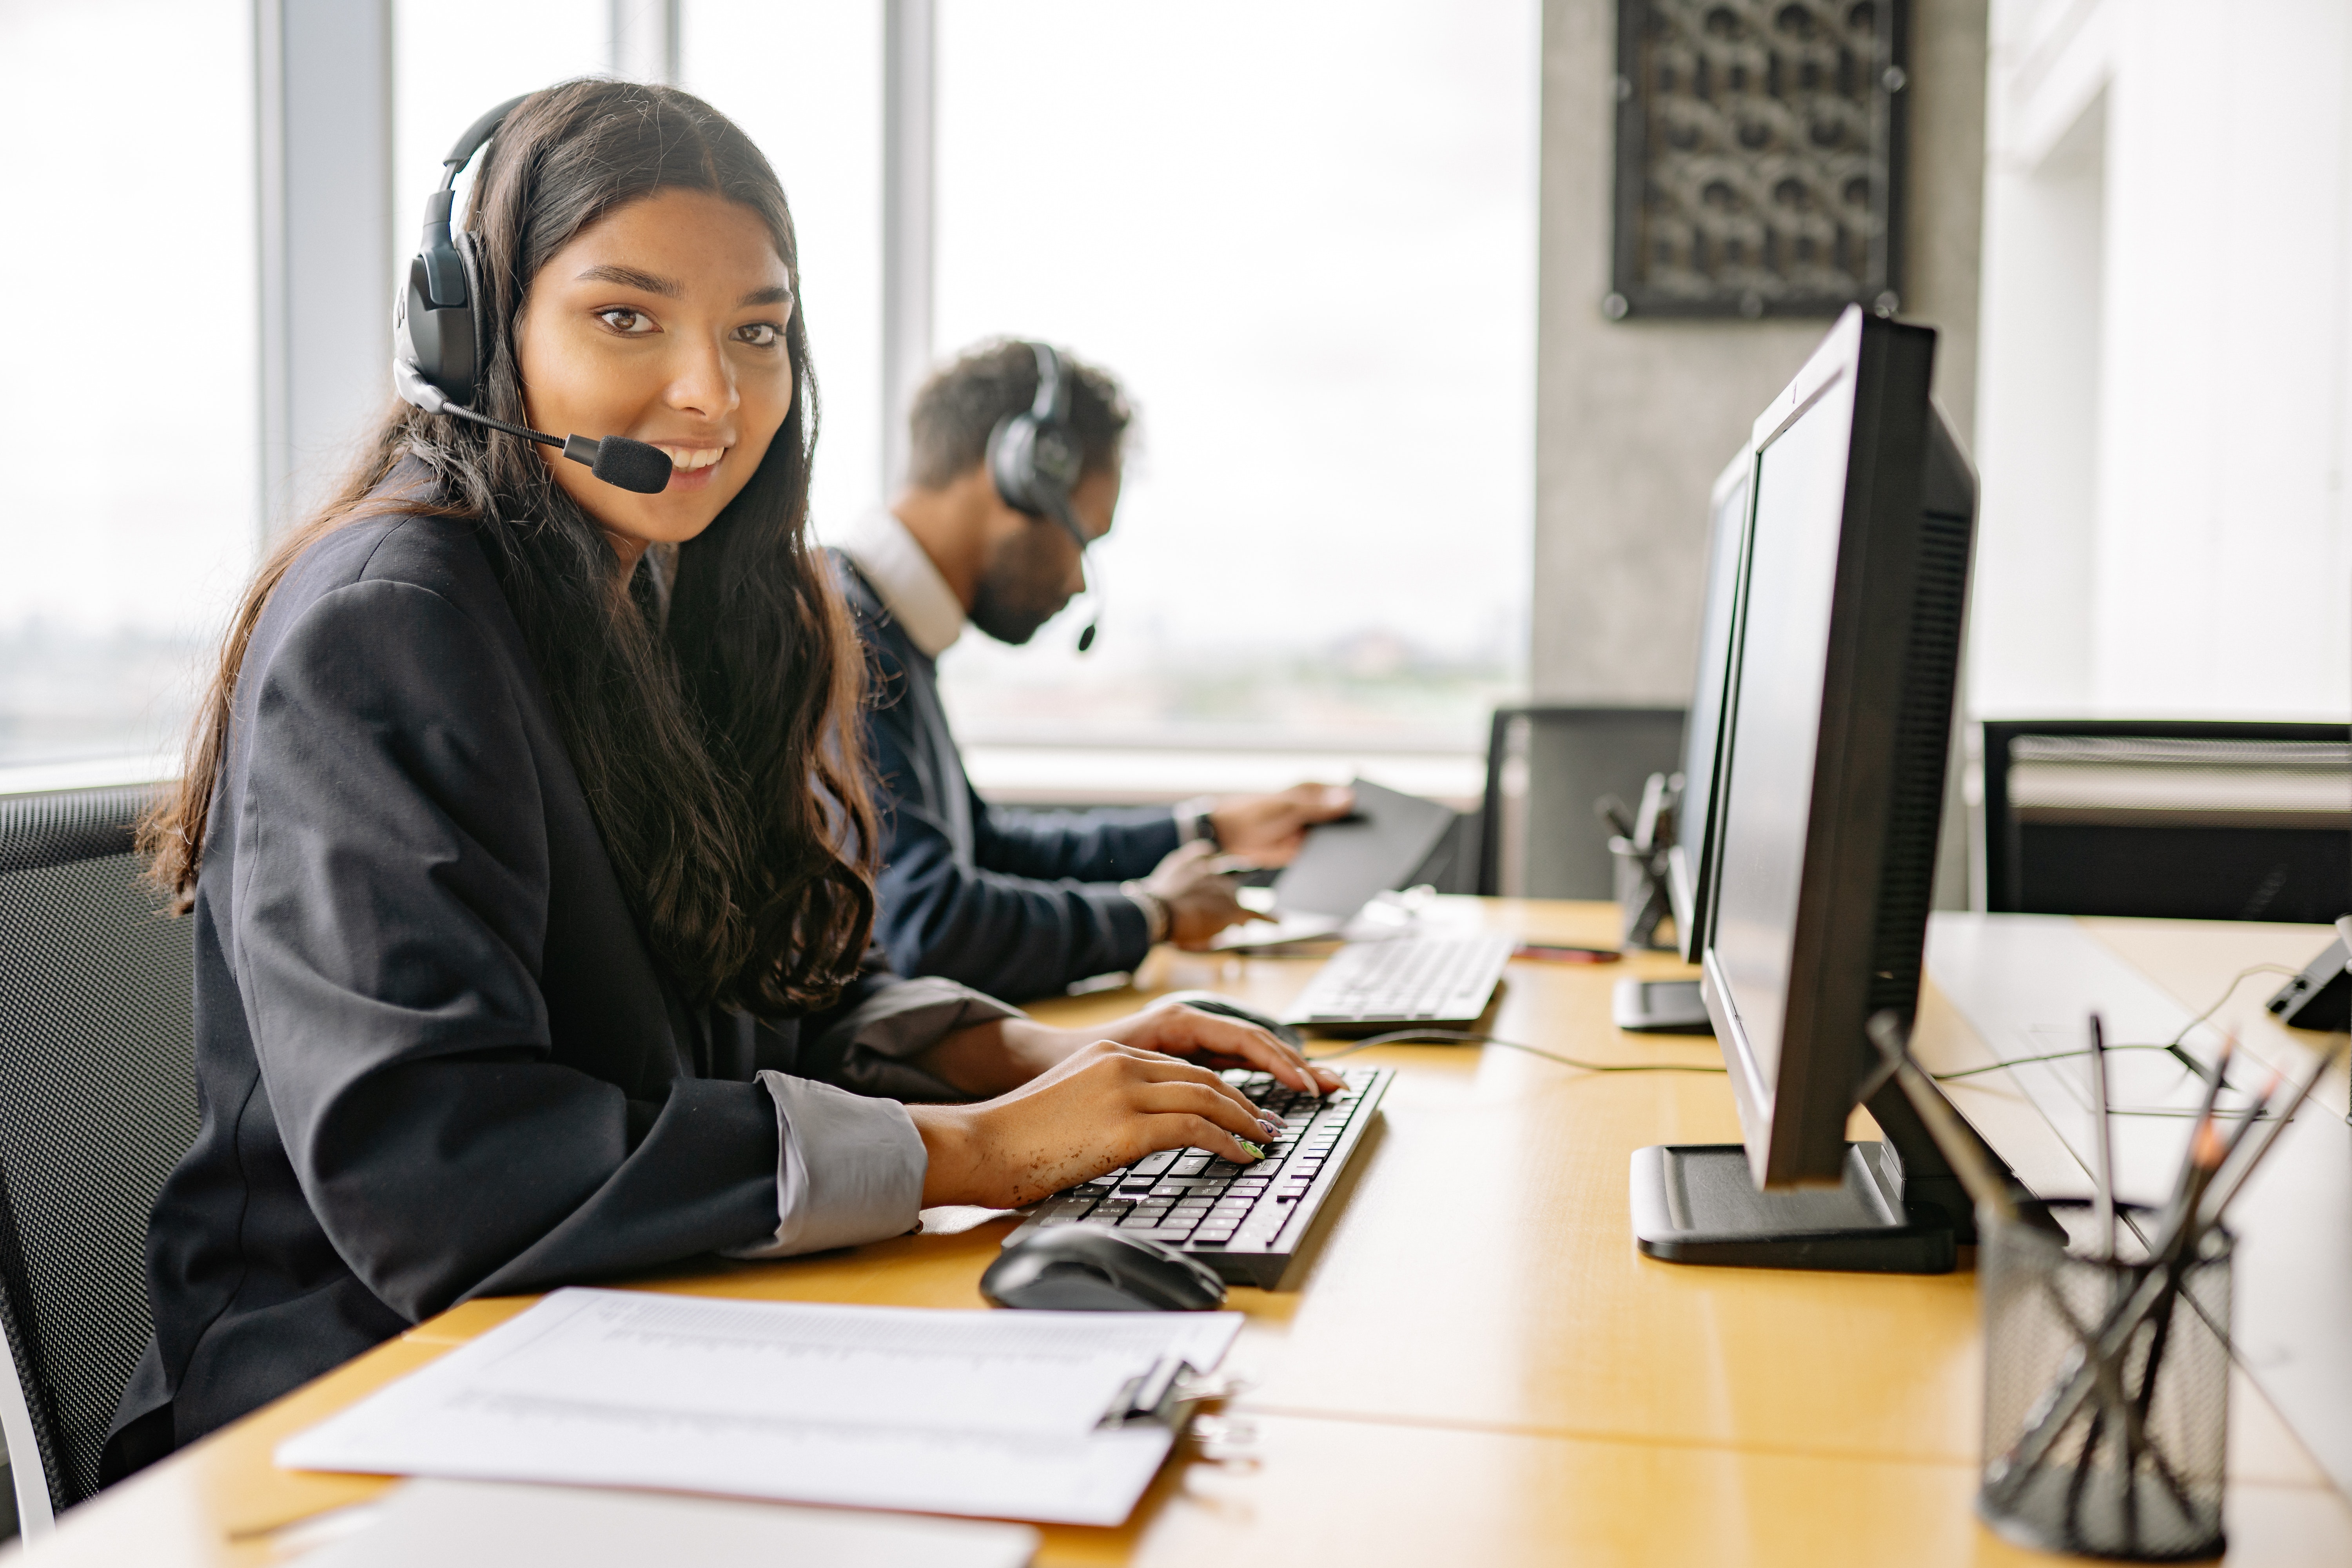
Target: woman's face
[[663, 322]]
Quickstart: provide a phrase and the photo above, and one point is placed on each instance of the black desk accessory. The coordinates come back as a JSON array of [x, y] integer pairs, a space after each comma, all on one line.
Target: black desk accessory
[[1640, 847], [2321, 997]]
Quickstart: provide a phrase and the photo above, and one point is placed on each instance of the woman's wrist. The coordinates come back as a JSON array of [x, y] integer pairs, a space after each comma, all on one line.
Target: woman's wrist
[[947, 1152]]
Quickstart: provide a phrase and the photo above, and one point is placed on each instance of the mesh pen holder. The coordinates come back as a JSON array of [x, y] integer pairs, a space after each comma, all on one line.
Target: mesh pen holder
[[2106, 1389]]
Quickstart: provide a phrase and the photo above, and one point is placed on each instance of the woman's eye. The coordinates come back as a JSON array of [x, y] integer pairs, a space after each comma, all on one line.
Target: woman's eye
[[633, 322], [761, 334]]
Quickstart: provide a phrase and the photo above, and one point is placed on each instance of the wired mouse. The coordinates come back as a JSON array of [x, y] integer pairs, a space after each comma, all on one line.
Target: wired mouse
[[1226, 1007], [1095, 1269]]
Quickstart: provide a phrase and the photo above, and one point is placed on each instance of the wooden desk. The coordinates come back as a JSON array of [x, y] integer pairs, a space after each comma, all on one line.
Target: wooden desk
[[1472, 1363]]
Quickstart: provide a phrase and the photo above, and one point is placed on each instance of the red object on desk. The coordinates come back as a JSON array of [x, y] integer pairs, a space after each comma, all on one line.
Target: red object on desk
[[1544, 954]]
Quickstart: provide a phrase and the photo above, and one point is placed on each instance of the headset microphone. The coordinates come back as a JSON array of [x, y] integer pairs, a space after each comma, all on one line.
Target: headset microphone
[[437, 344], [615, 459]]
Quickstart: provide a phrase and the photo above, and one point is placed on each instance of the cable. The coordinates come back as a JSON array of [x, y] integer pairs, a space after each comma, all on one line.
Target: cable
[[1457, 1038], [2173, 1047]]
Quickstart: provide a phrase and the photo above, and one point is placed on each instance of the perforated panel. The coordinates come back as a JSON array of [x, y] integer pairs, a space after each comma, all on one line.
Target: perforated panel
[[97, 1105]]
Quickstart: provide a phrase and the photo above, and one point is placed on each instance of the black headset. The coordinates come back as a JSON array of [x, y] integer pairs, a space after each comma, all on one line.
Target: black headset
[[1034, 458], [440, 351], [437, 344]]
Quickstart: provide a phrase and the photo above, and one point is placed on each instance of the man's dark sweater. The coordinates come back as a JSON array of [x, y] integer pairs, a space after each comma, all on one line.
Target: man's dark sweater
[[1017, 903]]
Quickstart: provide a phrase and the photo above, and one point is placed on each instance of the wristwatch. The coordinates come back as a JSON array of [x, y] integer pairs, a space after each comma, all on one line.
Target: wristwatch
[[1154, 908], [1196, 819]]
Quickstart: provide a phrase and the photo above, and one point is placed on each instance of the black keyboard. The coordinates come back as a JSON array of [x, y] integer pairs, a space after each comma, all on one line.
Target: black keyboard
[[1246, 1222]]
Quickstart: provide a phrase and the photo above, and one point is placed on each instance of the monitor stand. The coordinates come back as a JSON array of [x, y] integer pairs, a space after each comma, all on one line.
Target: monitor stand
[[1900, 1210], [1659, 1007]]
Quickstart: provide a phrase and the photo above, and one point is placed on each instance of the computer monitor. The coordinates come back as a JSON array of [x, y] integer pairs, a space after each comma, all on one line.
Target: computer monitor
[[1688, 866], [1830, 784]]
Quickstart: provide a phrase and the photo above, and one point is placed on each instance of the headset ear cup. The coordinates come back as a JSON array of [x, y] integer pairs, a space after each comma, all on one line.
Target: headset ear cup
[[440, 344], [1010, 446], [477, 369]]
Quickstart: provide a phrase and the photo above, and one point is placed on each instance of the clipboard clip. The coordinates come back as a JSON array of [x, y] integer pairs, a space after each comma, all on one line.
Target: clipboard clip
[[1166, 1391]]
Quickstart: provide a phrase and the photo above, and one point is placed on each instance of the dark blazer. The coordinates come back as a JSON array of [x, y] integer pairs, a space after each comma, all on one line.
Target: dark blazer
[[1017, 903], [433, 1058]]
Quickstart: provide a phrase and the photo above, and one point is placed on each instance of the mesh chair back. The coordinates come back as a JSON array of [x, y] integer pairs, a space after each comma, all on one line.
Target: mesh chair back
[[2174, 819], [1545, 767], [97, 1102]]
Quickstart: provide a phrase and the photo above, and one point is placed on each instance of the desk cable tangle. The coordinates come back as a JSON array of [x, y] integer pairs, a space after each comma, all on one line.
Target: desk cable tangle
[[2175, 1047]]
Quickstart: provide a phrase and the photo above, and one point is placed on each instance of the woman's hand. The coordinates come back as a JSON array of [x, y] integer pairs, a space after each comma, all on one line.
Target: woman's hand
[[990, 1058], [1176, 1030], [1103, 1106]]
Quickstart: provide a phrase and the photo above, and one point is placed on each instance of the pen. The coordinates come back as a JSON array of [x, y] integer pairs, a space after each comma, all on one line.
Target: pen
[[2106, 1193], [1548, 952]]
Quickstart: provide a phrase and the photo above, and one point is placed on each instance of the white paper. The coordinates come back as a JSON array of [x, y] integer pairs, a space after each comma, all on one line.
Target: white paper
[[460, 1524], [983, 1413]]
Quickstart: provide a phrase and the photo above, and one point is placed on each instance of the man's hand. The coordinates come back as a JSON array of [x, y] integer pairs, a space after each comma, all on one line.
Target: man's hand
[[1270, 829], [1199, 896]]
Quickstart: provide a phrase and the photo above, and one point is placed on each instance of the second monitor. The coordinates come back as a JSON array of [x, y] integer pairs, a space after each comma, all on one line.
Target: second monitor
[[1827, 790]]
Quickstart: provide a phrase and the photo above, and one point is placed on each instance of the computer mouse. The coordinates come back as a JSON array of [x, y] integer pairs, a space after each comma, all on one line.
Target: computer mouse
[[1095, 1269], [1226, 1007]]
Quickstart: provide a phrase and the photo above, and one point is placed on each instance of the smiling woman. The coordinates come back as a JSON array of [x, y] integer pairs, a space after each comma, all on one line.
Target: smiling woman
[[666, 323], [529, 864]]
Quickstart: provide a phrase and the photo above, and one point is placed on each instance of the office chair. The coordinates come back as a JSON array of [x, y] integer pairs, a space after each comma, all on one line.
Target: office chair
[[2179, 820], [1545, 767], [97, 1102]]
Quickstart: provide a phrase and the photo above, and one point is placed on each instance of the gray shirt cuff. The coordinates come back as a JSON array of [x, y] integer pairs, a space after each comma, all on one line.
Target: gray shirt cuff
[[849, 1169]]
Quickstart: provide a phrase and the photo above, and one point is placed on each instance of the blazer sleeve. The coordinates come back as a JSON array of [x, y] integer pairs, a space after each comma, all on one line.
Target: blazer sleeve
[[1008, 935], [390, 911], [1085, 845]]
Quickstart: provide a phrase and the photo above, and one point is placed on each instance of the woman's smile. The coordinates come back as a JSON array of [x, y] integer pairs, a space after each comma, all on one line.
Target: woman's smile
[[690, 467]]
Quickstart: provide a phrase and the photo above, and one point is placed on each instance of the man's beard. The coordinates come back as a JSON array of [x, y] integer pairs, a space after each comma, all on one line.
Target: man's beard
[[1018, 589]]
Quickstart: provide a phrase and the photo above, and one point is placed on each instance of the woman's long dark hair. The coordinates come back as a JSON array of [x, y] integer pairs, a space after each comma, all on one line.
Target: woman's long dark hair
[[720, 751]]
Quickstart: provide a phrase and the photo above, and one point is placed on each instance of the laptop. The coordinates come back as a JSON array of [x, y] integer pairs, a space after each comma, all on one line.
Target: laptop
[[1345, 864]]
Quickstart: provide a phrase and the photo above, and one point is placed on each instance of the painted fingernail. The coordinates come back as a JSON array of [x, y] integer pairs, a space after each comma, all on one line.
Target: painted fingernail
[[1255, 1152], [1272, 1125]]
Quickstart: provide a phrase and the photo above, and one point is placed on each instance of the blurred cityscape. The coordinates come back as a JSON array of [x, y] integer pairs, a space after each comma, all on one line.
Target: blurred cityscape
[[67, 695], [1371, 688]]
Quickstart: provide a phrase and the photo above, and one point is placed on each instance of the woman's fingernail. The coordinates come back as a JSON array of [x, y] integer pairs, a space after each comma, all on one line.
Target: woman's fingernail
[[1272, 1125], [1255, 1152]]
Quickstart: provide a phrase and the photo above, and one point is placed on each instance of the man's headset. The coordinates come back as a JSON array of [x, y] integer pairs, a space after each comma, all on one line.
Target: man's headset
[[1034, 459], [440, 348]]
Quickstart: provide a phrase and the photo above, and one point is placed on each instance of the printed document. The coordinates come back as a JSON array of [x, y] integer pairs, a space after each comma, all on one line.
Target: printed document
[[492, 1524], [994, 1413]]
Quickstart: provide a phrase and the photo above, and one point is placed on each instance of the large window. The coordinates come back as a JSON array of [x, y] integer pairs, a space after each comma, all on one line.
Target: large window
[[1304, 237], [128, 418], [803, 79]]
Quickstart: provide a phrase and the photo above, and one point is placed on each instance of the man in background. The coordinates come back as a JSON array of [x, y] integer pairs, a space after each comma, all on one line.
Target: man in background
[[1022, 903]]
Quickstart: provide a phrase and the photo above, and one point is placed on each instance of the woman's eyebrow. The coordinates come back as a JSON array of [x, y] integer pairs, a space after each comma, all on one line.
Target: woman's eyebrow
[[630, 278], [774, 294]]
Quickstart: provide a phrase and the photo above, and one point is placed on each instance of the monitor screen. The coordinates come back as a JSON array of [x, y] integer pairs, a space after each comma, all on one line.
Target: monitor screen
[[1792, 567], [1689, 873]]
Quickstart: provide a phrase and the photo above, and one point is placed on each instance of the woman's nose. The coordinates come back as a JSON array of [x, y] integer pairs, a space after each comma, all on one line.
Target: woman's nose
[[703, 384]]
